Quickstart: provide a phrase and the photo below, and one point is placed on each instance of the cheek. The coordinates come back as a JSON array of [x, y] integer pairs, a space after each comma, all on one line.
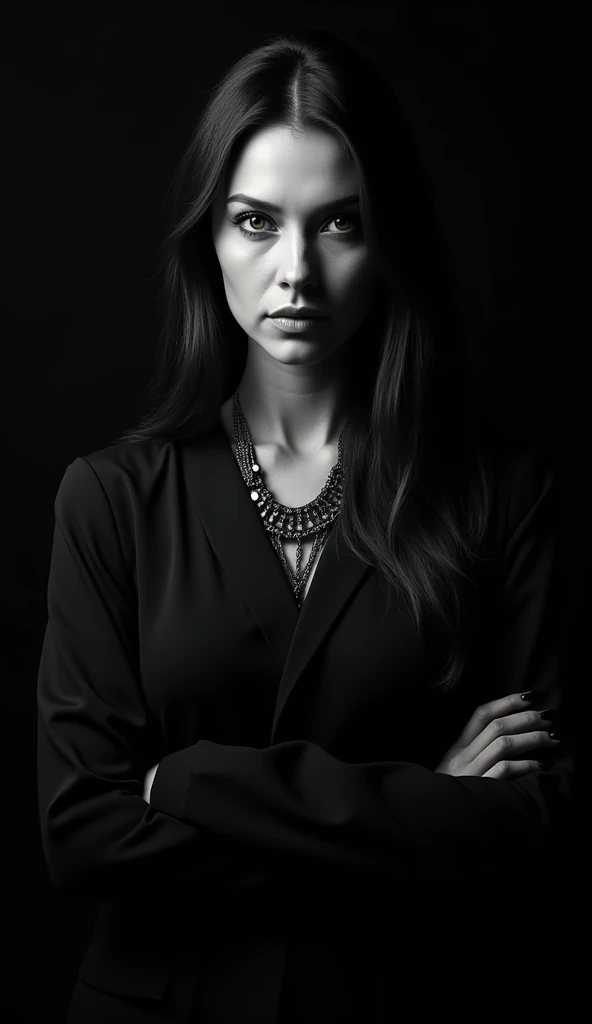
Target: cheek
[[350, 269], [238, 271], [231, 254], [357, 282]]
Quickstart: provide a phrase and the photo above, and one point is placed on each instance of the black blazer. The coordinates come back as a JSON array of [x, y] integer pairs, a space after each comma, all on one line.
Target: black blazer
[[296, 795]]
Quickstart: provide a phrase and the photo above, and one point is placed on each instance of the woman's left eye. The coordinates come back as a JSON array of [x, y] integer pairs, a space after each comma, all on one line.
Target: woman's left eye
[[252, 215]]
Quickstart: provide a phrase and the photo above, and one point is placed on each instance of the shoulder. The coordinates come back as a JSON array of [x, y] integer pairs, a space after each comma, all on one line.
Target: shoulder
[[524, 483], [113, 474], [522, 467], [128, 475]]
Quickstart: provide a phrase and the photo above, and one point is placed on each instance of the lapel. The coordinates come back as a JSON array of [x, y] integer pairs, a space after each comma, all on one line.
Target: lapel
[[235, 531]]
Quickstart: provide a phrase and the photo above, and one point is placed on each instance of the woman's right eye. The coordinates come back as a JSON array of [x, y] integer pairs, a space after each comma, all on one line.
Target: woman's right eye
[[249, 215]]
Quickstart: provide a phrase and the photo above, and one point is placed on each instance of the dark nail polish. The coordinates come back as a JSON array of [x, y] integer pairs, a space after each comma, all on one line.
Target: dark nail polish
[[550, 715], [554, 735], [533, 697], [545, 764]]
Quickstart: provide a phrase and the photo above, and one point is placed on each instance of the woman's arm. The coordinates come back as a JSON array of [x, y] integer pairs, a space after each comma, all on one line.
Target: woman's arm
[[100, 837], [296, 798]]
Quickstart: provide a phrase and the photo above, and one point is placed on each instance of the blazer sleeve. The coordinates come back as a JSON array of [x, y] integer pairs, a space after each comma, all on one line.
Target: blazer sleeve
[[100, 838], [296, 798]]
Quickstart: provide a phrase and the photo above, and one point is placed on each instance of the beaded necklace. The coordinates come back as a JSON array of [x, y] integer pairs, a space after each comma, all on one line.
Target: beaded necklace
[[314, 518]]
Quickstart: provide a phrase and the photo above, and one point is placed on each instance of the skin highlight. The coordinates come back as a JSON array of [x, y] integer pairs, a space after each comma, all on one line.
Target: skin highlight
[[292, 390]]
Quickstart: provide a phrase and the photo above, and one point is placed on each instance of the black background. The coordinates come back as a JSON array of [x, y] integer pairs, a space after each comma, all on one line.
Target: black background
[[98, 103]]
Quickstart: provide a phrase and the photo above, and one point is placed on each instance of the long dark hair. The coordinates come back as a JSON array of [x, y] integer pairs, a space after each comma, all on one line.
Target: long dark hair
[[418, 479]]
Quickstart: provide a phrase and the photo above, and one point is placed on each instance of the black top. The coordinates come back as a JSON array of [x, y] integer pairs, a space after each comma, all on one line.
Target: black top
[[296, 784]]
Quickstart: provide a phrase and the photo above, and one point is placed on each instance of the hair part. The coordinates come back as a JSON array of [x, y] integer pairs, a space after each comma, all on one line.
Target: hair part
[[418, 479]]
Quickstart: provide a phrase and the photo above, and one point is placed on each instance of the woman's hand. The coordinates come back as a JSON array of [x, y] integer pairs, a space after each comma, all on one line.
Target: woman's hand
[[148, 780], [495, 739]]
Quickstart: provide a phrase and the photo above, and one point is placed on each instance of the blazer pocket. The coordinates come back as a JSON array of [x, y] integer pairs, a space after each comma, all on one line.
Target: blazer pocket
[[130, 952]]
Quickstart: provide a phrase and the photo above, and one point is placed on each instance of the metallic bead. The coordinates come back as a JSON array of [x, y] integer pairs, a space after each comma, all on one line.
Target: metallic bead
[[324, 509]]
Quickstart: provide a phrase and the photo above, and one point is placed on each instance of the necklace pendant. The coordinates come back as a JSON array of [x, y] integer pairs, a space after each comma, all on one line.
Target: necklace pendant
[[280, 521]]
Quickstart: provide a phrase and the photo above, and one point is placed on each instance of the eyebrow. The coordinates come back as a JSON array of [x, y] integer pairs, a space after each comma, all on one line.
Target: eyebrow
[[240, 197]]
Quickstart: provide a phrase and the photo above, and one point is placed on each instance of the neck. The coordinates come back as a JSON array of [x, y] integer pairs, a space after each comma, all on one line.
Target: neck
[[299, 409]]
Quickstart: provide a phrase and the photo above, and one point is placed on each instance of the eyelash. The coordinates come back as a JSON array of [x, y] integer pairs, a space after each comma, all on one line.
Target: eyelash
[[244, 215]]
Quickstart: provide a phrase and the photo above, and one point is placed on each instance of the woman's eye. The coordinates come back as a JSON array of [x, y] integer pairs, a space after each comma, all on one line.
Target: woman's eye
[[252, 217], [259, 229]]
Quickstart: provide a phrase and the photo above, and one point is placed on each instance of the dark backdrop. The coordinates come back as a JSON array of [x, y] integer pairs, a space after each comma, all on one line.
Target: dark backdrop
[[98, 103]]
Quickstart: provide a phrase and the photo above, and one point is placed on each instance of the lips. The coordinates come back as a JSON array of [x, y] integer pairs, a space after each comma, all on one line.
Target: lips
[[300, 313], [299, 325]]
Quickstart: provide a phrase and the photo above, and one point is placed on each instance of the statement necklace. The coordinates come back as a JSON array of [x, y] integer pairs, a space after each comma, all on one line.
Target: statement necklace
[[315, 518]]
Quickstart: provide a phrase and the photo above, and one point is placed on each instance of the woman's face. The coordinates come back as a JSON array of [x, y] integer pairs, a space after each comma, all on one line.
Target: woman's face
[[309, 251]]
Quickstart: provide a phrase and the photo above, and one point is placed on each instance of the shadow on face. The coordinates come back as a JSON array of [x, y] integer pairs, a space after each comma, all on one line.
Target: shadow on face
[[295, 239]]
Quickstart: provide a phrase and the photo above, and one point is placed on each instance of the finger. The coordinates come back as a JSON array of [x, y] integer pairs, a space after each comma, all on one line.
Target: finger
[[521, 723], [512, 769], [510, 748], [485, 714]]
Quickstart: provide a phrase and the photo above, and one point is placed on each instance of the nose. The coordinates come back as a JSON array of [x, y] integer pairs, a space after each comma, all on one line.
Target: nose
[[295, 265]]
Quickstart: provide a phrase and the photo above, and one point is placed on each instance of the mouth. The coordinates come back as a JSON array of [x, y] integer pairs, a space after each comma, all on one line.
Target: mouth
[[298, 323]]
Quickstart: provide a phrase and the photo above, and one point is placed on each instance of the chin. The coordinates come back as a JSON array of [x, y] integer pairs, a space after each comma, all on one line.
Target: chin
[[299, 355], [288, 348], [296, 353]]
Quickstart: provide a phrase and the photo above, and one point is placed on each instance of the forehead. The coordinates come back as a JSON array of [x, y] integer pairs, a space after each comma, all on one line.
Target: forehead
[[280, 164]]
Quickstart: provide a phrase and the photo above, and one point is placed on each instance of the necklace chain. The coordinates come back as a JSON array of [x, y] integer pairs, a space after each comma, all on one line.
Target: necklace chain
[[282, 521]]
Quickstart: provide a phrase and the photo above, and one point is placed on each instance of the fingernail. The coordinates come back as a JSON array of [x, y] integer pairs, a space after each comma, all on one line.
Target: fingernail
[[532, 697], [553, 735], [550, 715], [545, 765]]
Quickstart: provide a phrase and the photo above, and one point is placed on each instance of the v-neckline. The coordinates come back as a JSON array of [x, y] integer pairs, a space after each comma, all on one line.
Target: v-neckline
[[239, 540], [323, 544]]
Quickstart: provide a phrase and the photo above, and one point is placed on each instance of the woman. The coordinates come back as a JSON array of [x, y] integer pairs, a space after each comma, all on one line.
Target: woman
[[280, 785]]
